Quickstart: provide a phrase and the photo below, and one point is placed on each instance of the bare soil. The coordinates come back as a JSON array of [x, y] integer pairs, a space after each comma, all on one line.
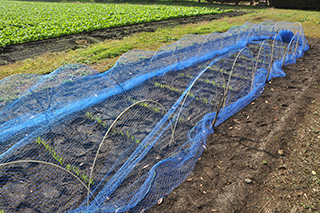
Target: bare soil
[[236, 173], [238, 170]]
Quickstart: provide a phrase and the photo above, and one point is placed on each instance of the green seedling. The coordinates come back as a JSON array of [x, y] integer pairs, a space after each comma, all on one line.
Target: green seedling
[[85, 177], [155, 109], [68, 167], [60, 160], [315, 130], [76, 170], [202, 99], [67, 81], [127, 134]]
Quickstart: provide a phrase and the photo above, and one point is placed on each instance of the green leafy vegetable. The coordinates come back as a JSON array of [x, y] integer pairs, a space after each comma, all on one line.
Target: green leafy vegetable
[[29, 21]]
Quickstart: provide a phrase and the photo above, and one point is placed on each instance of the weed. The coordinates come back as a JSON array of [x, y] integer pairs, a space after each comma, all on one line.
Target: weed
[[304, 206], [314, 130]]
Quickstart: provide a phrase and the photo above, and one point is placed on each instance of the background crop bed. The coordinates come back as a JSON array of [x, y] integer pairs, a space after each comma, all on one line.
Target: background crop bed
[[29, 21]]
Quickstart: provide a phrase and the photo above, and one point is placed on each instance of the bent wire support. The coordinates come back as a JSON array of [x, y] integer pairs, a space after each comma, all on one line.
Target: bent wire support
[[80, 141]]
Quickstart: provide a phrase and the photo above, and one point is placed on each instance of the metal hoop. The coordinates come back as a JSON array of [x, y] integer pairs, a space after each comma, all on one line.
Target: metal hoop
[[54, 165], [105, 136], [234, 63]]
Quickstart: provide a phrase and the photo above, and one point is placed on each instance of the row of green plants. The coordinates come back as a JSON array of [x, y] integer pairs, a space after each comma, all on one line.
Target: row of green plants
[[207, 81], [251, 59], [235, 75], [9, 98], [254, 59], [202, 99], [62, 162], [127, 134], [24, 21], [243, 57], [258, 47], [155, 109], [246, 67], [113, 130]]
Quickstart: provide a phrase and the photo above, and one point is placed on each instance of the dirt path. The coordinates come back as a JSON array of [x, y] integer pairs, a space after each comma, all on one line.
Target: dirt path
[[243, 155], [18, 52]]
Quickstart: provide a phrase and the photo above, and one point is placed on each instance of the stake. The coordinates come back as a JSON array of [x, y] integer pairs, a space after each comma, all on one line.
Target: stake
[[221, 102]]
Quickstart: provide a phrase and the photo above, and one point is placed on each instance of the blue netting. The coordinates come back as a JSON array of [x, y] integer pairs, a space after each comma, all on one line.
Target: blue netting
[[76, 140]]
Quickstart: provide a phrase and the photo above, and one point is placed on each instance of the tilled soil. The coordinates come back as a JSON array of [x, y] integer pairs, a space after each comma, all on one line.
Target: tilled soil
[[231, 173]]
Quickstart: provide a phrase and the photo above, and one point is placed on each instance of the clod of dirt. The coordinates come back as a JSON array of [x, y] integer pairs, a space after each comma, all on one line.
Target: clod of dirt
[[160, 201], [248, 181], [281, 152]]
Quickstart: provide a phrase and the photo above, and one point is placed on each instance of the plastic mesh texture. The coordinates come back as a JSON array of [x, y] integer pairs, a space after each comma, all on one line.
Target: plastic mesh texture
[[79, 141]]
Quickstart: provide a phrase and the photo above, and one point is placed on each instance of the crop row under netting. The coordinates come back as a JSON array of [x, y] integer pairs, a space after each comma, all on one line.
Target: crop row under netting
[[76, 140]]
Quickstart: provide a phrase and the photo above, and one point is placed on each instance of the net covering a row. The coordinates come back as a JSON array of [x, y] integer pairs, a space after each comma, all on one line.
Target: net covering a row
[[77, 140]]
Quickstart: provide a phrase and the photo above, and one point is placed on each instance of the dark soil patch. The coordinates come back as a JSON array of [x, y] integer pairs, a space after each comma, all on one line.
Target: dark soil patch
[[243, 152], [18, 52]]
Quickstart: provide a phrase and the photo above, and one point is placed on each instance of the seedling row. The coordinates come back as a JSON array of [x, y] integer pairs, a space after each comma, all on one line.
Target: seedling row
[[68, 166]]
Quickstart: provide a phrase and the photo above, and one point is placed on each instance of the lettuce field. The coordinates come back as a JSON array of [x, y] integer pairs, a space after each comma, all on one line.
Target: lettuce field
[[30, 21]]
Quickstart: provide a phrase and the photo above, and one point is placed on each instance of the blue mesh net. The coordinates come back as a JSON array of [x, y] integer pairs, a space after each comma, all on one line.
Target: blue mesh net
[[76, 140]]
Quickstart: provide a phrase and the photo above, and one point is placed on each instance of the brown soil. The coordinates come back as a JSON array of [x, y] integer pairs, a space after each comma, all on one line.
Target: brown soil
[[245, 148], [236, 171]]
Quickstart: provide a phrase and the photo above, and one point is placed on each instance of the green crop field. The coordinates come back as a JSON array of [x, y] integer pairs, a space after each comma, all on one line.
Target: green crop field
[[29, 21]]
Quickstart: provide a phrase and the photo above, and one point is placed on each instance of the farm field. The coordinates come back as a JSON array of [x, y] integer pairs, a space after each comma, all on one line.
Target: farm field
[[263, 159], [30, 21]]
